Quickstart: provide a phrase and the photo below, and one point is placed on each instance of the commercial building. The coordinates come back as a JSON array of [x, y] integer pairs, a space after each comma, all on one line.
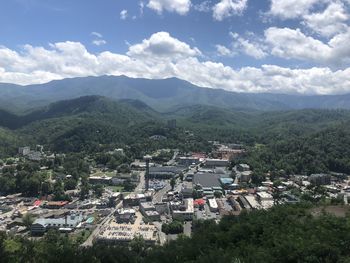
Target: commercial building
[[213, 163], [125, 215], [229, 152], [213, 205], [264, 196], [187, 192], [165, 172], [162, 207], [320, 179], [55, 204], [207, 179], [135, 199], [64, 224], [187, 161], [147, 206], [252, 201], [184, 211], [100, 180]]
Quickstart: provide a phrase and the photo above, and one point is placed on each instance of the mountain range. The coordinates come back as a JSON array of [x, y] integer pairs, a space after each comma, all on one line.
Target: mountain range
[[162, 95]]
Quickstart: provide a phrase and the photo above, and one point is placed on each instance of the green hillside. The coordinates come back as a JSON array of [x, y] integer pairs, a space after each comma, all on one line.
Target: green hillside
[[302, 141]]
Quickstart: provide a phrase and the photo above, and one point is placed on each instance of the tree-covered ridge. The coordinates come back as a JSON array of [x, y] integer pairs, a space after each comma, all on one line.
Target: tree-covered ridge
[[161, 94], [303, 141], [281, 234], [317, 152]]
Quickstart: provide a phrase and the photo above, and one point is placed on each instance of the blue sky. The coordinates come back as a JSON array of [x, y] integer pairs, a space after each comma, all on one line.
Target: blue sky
[[288, 46]]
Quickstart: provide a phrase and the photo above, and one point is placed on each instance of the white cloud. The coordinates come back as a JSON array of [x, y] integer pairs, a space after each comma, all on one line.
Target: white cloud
[[162, 45], [287, 9], [204, 6], [252, 49], [292, 43], [173, 59], [181, 7], [227, 8], [96, 34], [141, 6], [99, 42], [123, 14], [330, 22], [224, 51]]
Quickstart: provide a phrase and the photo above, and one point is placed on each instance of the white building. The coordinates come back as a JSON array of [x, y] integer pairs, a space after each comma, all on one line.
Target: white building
[[213, 205], [186, 211]]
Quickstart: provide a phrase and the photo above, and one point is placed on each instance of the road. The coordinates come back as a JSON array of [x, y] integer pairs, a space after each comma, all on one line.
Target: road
[[157, 198], [172, 161], [188, 228], [140, 187]]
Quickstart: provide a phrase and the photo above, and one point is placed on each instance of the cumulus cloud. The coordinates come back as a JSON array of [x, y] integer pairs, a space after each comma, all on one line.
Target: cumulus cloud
[[330, 22], [227, 8], [72, 59], [179, 6], [292, 43], [224, 51], [287, 9], [250, 48], [123, 14], [162, 45]]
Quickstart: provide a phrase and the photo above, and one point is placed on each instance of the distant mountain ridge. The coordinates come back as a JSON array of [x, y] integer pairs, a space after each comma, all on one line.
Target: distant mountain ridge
[[161, 95]]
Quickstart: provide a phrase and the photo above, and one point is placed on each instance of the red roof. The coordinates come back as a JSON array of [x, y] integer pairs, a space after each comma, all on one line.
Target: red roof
[[37, 203], [199, 202]]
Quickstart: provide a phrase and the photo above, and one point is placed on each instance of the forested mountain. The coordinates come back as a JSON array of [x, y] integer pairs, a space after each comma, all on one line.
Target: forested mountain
[[91, 122], [162, 95], [299, 141], [91, 106]]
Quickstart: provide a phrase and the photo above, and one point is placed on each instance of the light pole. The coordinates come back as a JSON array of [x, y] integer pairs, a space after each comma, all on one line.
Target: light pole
[[147, 158]]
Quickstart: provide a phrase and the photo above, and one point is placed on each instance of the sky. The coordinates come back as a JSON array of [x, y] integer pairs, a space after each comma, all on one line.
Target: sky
[[277, 46]]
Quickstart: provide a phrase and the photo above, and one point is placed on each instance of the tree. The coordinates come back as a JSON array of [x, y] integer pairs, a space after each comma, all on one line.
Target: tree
[[84, 188], [218, 194], [172, 183], [70, 184], [175, 227], [257, 177], [181, 176], [58, 190], [128, 185], [98, 190], [28, 220]]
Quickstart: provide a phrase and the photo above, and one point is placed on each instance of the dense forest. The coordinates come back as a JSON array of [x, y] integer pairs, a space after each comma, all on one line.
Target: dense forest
[[281, 234], [303, 141]]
